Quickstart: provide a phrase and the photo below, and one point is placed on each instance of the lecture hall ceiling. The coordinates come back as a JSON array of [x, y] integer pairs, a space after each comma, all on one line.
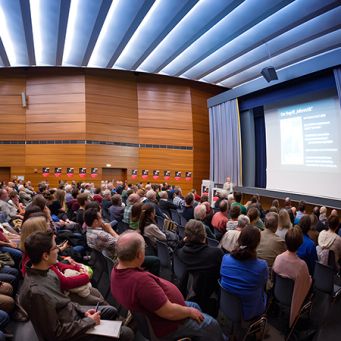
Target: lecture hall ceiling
[[223, 42]]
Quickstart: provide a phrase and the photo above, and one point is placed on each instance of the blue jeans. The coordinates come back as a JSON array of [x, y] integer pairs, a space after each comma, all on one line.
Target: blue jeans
[[9, 275], [208, 329], [15, 254], [4, 319]]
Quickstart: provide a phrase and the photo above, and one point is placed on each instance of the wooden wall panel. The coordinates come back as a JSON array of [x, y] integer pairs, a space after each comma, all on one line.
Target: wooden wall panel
[[165, 114], [111, 109], [12, 113], [56, 107]]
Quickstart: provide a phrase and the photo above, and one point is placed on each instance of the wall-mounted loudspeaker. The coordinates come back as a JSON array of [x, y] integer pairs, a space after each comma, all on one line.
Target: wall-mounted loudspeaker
[[269, 73], [23, 100]]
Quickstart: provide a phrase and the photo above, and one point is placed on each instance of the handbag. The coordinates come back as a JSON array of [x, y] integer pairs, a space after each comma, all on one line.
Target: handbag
[[6, 259], [170, 225]]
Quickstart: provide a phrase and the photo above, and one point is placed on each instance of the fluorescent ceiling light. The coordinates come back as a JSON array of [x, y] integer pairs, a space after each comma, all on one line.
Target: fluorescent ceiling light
[[134, 40], [71, 30], [96, 56], [6, 38], [35, 7]]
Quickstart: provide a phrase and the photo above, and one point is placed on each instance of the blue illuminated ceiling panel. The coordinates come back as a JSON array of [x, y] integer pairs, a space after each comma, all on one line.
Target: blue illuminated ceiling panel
[[224, 42]]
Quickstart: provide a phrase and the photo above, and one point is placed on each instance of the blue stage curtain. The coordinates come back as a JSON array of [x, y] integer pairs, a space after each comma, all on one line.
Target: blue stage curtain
[[260, 140]]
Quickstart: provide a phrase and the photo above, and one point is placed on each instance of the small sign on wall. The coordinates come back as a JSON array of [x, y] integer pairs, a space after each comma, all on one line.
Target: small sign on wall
[[134, 173], [166, 174], [70, 171], [156, 174], [177, 176], [82, 172], [145, 173], [46, 171]]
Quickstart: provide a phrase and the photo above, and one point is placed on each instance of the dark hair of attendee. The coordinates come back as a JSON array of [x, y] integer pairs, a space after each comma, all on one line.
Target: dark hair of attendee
[[235, 212], [248, 241], [146, 217], [195, 232], [223, 206], [116, 200], [189, 199], [90, 215], [93, 204], [253, 213], [75, 192], [316, 211], [30, 210], [305, 223], [39, 200], [301, 206], [294, 238], [333, 222], [237, 196], [82, 198], [37, 244], [98, 190], [203, 198], [273, 209], [136, 211]]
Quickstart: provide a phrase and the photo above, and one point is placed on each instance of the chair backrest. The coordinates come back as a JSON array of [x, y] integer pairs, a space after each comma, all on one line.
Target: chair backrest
[[179, 267], [324, 278], [175, 216], [283, 289], [110, 263], [159, 222], [163, 254], [181, 231], [230, 305], [212, 242], [183, 220], [144, 326], [150, 247]]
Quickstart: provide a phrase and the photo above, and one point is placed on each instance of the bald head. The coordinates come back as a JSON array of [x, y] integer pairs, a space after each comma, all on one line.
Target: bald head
[[128, 245]]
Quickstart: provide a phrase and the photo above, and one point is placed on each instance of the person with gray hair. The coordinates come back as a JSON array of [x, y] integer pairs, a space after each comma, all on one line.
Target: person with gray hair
[[229, 241], [200, 214], [151, 199], [166, 205], [160, 300], [270, 245]]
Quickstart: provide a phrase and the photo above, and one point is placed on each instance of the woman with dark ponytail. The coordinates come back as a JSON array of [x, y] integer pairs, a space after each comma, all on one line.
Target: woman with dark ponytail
[[244, 275], [147, 225]]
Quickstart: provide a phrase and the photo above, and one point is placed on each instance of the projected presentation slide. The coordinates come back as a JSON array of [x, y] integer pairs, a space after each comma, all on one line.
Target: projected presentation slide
[[303, 144]]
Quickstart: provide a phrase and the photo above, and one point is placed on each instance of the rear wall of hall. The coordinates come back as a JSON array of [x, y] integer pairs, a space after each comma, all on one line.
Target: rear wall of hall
[[91, 118]]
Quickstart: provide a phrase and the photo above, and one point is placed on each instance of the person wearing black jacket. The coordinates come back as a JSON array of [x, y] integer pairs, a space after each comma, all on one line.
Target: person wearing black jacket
[[202, 263]]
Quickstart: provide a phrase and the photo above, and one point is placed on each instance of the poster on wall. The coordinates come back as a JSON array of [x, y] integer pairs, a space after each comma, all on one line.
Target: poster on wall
[[46, 171], [166, 174], [188, 176], [94, 173], [156, 174], [177, 176], [145, 173], [70, 171], [82, 172], [58, 172], [134, 173]]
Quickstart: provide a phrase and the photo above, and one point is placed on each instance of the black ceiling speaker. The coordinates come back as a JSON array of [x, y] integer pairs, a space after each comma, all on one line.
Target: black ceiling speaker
[[269, 73]]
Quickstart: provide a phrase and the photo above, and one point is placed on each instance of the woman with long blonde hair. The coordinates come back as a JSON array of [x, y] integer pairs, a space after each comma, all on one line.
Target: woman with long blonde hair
[[284, 223]]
